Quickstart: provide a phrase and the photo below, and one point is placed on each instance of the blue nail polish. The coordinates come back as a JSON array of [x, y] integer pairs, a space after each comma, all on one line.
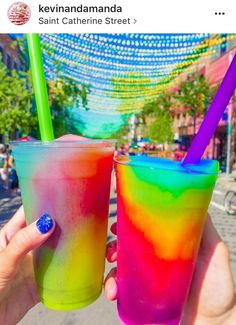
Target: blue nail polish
[[45, 223]]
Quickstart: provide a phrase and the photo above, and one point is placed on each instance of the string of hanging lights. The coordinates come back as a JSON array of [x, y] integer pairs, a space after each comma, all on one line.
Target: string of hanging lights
[[123, 71]]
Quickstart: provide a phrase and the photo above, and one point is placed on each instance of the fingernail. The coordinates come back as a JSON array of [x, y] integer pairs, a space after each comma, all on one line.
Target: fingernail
[[45, 223]]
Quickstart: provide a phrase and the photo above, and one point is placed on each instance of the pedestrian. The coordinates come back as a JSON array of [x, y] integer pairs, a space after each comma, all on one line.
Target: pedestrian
[[178, 153], [142, 151], [3, 166], [120, 151], [13, 175], [132, 150]]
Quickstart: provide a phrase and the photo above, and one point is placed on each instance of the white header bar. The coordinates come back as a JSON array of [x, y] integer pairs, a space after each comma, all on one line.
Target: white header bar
[[122, 16]]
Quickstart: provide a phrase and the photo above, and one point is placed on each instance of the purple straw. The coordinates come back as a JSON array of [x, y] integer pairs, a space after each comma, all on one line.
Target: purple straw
[[213, 116]]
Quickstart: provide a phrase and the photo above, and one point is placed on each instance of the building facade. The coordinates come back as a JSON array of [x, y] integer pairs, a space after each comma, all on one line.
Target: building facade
[[214, 70], [10, 54]]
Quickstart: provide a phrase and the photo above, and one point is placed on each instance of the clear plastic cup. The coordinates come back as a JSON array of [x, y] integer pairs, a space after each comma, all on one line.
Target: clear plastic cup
[[70, 180], [162, 207]]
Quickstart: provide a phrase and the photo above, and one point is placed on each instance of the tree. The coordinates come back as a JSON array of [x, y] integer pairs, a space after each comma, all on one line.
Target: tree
[[20, 44], [160, 129], [195, 94], [64, 94], [121, 134], [133, 90], [162, 102], [15, 102], [17, 112]]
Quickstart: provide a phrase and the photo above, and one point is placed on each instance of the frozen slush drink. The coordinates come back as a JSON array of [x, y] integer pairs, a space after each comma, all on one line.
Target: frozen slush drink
[[162, 208], [70, 180]]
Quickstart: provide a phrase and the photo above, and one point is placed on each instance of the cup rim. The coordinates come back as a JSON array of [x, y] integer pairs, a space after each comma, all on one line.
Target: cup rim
[[188, 169], [96, 143]]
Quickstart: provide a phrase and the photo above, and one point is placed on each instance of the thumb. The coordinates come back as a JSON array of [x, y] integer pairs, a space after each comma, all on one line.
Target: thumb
[[23, 242]]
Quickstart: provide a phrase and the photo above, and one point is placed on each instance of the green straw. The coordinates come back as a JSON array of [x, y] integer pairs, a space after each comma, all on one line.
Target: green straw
[[40, 88]]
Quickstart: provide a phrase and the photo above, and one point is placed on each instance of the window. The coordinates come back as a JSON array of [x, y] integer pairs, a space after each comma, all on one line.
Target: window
[[8, 62]]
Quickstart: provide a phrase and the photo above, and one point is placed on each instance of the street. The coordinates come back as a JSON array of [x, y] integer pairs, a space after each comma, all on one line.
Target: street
[[103, 312], [225, 225]]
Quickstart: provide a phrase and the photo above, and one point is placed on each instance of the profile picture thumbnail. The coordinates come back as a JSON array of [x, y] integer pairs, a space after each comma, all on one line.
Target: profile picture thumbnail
[[19, 13]]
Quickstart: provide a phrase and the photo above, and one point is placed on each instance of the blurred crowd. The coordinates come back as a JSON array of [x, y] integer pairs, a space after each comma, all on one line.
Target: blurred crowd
[[175, 152], [8, 176]]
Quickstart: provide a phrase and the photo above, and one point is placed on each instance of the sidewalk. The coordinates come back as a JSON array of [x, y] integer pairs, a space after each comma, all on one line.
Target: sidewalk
[[226, 182], [8, 205]]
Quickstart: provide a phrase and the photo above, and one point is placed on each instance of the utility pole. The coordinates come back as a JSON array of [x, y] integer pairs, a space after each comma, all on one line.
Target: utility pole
[[133, 127], [229, 129]]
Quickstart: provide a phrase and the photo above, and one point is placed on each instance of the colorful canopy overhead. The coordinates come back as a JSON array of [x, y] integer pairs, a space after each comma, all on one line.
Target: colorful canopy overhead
[[122, 71]]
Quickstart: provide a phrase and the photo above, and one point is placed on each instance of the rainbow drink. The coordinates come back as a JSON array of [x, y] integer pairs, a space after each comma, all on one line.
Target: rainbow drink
[[162, 208], [71, 181]]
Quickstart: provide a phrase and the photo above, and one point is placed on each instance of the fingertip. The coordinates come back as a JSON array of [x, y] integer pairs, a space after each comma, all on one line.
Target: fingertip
[[114, 228], [111, 256], [111, 251], [110, 285], [111, 289]]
